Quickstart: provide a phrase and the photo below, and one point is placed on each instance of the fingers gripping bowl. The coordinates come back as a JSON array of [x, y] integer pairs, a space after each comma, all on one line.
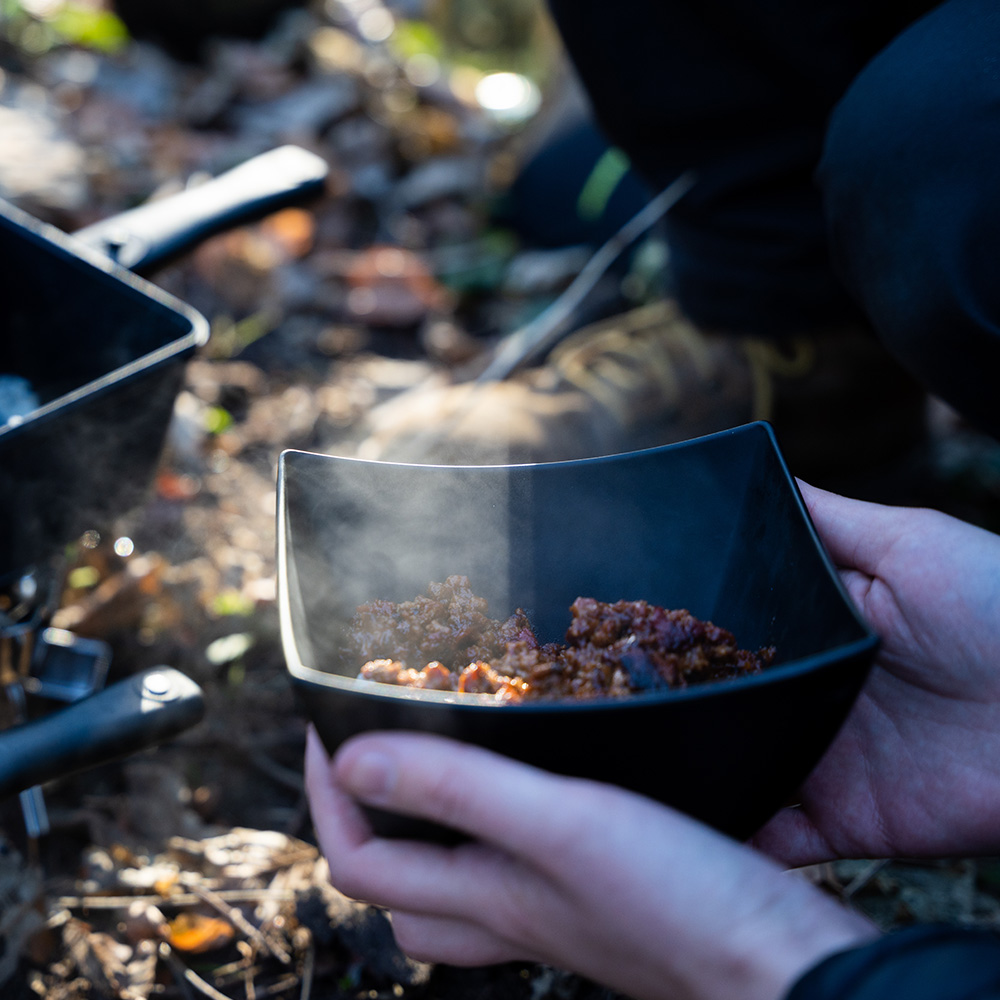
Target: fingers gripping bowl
[[714, 525]]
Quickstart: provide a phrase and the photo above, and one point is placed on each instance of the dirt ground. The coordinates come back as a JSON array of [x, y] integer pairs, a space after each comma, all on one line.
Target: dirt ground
[[190, 870]]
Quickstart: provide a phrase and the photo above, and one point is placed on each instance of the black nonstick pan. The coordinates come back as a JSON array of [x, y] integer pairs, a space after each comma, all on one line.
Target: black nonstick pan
[[102, 352], [715, 525]]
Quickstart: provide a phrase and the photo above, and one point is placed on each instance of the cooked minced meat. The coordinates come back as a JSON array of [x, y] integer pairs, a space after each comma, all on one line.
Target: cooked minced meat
[[445, 641]]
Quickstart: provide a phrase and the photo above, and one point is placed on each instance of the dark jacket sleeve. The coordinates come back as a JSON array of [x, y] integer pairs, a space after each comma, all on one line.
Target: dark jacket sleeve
[[920, 963]]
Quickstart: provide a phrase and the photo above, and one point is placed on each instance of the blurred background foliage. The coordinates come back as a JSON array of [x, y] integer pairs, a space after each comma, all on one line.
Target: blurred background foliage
[[38, 26], [489, 35]]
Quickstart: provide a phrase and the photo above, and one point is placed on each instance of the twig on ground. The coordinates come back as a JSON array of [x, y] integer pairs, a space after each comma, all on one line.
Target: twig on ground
[[308, 965], [187, 979], [279, 986], [180, 900], [240, 922], [545, 330]]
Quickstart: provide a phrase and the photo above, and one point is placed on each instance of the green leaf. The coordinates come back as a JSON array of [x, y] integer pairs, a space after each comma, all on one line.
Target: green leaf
[[232, 602], [83, 578], [217, 420], [89, 27], [416, 38]]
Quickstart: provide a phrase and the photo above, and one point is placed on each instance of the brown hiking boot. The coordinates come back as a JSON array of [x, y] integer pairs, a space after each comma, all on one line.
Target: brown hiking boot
[[650, 377]]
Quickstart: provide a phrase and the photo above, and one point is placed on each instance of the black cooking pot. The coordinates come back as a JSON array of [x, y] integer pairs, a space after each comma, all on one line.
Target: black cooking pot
[[714, 525], [104, 352]]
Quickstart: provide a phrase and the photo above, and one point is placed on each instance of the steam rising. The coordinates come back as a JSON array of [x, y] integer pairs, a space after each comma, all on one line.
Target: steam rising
[[362, 531]]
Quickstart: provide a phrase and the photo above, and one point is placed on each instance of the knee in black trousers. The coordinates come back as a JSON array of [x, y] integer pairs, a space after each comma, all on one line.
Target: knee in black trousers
[[911, 183], [738, 91]]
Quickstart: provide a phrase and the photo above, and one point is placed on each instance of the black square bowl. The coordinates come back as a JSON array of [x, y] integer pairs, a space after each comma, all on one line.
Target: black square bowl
[[715, 525], [104, 351]]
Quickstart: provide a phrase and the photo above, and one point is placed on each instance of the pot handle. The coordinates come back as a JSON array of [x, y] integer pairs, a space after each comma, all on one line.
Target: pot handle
[[130, 715], [146, 237]]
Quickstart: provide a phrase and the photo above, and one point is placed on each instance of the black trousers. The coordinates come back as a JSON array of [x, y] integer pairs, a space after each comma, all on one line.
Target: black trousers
[[848, 163]]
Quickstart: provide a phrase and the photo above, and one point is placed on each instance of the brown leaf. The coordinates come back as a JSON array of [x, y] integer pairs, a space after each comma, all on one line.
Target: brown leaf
[[293, 230], [99, 957], [195, 933], [176, 486], [118, 603], [392, 286]]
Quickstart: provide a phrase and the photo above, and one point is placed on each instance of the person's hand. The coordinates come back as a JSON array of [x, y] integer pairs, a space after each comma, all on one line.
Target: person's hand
[[575, 874], [916, 769]]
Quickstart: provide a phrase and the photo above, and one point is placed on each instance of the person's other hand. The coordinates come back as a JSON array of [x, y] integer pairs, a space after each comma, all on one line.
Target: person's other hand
[[916, 769], [575, 874]]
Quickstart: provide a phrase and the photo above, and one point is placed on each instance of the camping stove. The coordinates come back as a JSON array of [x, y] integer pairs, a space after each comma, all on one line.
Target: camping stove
[[40, 665]]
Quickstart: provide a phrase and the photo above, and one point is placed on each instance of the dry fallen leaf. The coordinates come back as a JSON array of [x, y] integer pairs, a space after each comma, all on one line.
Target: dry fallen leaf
[[293, 230], [114, 968], [392, 286], [195, 933]]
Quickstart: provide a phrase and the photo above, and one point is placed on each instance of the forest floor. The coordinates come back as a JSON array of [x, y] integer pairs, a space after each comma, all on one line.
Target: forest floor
[[190, 870]]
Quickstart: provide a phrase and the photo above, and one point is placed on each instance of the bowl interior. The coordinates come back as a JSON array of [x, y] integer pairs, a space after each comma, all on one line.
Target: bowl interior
[[714, 525]]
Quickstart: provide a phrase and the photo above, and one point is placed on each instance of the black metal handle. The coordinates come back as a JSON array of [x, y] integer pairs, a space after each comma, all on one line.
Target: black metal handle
[[146, 237], [127, 716]]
